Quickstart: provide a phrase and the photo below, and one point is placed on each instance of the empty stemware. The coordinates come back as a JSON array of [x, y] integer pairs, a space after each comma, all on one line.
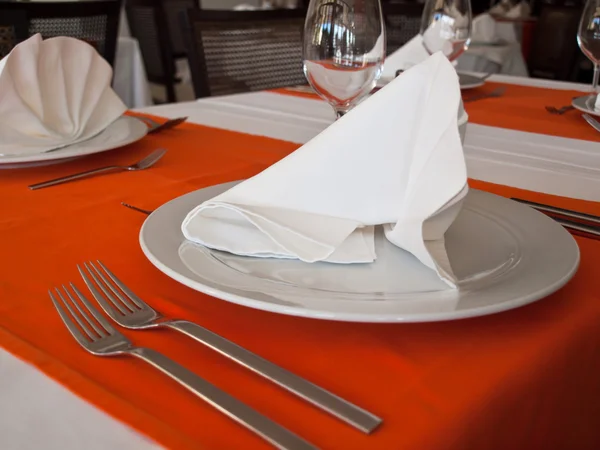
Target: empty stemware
[[344, 50], [588, 37], [446, 27]]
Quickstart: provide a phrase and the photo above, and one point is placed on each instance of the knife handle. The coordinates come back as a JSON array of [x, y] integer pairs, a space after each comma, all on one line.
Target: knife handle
[[230, 406], [325, 400]]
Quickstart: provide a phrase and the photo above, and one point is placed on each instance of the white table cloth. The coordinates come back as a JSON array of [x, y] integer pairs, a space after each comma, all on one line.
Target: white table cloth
[[37, 413]]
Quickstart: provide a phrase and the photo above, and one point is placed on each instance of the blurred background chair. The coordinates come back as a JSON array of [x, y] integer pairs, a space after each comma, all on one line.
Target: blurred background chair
[[554, 50], [95, 21], [155, 25], [241, 51], [402, 22], [13, 29]]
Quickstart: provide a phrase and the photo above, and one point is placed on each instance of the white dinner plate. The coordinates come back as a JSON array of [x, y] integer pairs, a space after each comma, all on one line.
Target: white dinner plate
[[586, 104], [505, 254], [123, 131]]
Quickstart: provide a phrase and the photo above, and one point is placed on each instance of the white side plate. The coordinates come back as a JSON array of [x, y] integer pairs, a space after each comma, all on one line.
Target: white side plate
[[505, 254], [587, 104], [123, 131]]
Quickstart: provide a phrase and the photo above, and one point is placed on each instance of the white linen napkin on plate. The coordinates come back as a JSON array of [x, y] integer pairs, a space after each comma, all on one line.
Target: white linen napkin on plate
[[396, 159], [484, 29], [53, 93]]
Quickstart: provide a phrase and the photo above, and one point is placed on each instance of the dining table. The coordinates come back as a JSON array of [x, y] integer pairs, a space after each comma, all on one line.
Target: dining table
[[528, 378]]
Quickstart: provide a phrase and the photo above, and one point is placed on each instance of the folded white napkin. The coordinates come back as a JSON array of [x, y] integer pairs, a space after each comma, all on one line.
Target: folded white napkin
[[484, 29], [396, 159], [410, 54], [597, 104], [500, 8], [519, 11], [54, 93]]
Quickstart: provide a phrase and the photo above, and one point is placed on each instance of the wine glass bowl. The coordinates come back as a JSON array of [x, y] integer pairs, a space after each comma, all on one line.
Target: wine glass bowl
[[446, 27], [588, 37], [344, 50]]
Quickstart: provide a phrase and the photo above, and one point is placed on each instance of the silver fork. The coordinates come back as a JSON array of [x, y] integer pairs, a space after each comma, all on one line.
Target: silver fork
[[129, 311], [100, 338], [154, 126], [144, 163]]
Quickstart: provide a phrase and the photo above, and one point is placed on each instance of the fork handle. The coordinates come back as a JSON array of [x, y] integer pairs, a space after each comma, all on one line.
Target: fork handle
[[337, 406], [230, 406], [72, 177]]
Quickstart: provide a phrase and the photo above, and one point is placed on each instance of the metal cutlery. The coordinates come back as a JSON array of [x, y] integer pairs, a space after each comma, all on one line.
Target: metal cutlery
[[563, 109], [593, 122], [129, 311], [561, 211], [135, 208], [498, 92], [155, 126], [579, 228], [144, 163], [100, 338], [559, 111], [574, 221]]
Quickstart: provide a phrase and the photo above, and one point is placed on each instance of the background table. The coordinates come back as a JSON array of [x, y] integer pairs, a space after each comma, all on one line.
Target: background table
[[38, 413]]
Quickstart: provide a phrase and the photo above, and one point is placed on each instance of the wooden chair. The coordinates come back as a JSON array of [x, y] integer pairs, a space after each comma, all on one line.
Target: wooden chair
[[241, 51], [13, 29], [155, 24], [96, 22], [402, 23]]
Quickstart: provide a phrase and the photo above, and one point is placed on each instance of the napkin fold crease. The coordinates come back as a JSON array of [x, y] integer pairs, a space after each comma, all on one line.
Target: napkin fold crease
[[395, 160]]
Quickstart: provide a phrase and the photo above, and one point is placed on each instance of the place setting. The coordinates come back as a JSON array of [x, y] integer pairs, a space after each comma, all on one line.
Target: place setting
[[256, 283], [48, 120]]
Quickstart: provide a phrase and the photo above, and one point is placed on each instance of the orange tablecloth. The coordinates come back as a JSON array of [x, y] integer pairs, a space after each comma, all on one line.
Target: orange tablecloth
[[528, 378], [521, 108]]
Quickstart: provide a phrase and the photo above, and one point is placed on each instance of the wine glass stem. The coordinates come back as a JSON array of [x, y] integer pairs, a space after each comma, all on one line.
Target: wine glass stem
[[595, 80], [340, 112]]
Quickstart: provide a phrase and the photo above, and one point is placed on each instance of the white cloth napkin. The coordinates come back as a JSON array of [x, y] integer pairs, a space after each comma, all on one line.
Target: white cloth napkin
[[519, 11], [484, 29], [396, 159], [410, 54], [507, 10], [54, 93]]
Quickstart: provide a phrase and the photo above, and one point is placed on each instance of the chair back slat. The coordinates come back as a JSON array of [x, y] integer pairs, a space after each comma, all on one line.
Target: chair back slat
[[241, 51]]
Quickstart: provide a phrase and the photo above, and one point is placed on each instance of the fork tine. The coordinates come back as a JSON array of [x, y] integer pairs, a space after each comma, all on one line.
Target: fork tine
[[94, 312], [101, 333], [79, 337], [112, 288], [110, 309], [90, 335], [134, 298]]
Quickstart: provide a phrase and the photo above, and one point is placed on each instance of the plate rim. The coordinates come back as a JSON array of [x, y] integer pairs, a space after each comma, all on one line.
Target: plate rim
[[585, 109], [140, 131], [355, 317]]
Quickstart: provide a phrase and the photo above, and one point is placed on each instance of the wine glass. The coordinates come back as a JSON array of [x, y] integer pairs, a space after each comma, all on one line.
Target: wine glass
[[446, 27], [344, 50], [588, 37]]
